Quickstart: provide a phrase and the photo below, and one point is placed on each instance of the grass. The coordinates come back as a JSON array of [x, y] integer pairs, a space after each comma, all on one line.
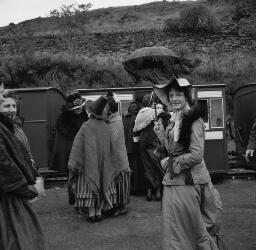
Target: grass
[[128, 18], [140, 228]]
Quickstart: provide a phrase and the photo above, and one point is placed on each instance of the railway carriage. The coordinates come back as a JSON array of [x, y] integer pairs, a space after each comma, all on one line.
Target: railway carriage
[[40, 108], [212, 97]]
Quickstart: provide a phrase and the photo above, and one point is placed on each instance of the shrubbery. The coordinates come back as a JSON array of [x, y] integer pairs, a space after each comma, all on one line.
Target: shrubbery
[[64, 71], [197, 18]]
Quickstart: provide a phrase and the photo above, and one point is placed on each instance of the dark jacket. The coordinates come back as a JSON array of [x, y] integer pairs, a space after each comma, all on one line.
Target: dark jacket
[[252, 137], [129, 122], [67, 126]]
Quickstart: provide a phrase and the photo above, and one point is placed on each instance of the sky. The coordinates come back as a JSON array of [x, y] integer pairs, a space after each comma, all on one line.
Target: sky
[[15, 11]]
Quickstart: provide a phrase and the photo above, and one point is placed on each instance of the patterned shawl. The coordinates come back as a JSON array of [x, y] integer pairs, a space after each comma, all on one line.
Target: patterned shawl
[[90, 155]]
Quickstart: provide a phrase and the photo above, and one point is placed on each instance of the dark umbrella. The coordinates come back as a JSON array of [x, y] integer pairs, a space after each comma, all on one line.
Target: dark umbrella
[[157, 64]]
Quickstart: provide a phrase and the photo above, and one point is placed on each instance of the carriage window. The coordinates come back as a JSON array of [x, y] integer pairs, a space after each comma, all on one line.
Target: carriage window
[[204, 105], [123, 107], [217, 113]]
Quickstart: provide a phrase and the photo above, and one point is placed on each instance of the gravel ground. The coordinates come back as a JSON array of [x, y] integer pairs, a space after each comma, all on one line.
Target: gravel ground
[[140, 227]]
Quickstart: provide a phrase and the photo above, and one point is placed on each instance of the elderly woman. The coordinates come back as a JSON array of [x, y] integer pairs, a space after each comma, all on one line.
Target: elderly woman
[[19, 226], [10, 106], [191, 205]]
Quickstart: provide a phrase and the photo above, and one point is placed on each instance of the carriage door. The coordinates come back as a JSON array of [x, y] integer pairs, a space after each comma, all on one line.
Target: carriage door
[[215, 136]]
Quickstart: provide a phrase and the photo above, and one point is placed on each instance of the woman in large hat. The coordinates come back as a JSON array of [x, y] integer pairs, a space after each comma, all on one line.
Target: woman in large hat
[[68, 123], [191, 206], [92, 175]]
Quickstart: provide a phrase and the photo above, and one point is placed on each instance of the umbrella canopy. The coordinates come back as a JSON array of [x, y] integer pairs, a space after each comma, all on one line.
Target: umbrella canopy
[[157, 64]]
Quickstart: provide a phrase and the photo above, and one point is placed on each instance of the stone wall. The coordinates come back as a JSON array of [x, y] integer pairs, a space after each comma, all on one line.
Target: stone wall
[[129, 41]]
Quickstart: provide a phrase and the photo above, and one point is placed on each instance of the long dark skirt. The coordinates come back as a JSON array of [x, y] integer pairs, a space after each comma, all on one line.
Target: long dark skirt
[[123, 188], [137, 180], [152, 168], [19, 226]]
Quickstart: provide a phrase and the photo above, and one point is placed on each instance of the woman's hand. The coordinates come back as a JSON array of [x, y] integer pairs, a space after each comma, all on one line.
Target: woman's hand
[[165, 163], [176, 166]]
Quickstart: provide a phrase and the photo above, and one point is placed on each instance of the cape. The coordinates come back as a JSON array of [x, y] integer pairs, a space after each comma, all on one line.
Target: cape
[[90, 155], [119, 156]]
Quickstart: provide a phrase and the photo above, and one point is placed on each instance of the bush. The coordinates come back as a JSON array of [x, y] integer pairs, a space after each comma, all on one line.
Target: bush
[[64, 71], [172, 24], [248, 26], [198, 18]]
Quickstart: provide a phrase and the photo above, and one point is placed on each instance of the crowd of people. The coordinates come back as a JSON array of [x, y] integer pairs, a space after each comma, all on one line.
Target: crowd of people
[[106, 156]]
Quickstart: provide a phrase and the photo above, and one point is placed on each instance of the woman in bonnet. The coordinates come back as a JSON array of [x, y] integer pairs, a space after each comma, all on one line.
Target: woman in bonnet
[[68, 123], [191, 206]]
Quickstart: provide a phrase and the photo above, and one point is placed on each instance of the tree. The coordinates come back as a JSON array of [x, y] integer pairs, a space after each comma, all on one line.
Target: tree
[[71, 20]]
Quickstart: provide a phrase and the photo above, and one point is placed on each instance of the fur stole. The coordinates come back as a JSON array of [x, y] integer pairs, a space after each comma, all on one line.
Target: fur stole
[[196, 112], [68, 123], [7, 122]]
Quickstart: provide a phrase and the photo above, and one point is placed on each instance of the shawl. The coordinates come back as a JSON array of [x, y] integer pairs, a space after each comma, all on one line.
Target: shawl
[[144, 118], [90, 156], [119, 156], [15, 173]]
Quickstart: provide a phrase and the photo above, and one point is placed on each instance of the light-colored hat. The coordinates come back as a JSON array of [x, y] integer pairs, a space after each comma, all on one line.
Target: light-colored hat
[[161, 89], [74, 101]]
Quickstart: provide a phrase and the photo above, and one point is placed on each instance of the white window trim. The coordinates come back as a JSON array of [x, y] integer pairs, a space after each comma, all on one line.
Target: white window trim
[[215, 127]]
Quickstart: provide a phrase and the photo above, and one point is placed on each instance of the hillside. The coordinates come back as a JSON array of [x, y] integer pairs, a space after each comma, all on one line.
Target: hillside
[[40, 52], [130, 18]]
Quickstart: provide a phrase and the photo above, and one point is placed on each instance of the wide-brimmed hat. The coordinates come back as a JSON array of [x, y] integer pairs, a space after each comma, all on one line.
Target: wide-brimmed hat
[[74, 101], [161, 90], [96, 108]]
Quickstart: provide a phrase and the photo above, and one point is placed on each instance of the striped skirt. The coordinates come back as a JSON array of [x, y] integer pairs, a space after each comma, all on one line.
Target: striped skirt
[[85, 197], [123, 188]]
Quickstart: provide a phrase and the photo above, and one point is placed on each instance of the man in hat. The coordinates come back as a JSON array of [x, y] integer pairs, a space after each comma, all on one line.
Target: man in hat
[[91, 174], [73, 115]]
